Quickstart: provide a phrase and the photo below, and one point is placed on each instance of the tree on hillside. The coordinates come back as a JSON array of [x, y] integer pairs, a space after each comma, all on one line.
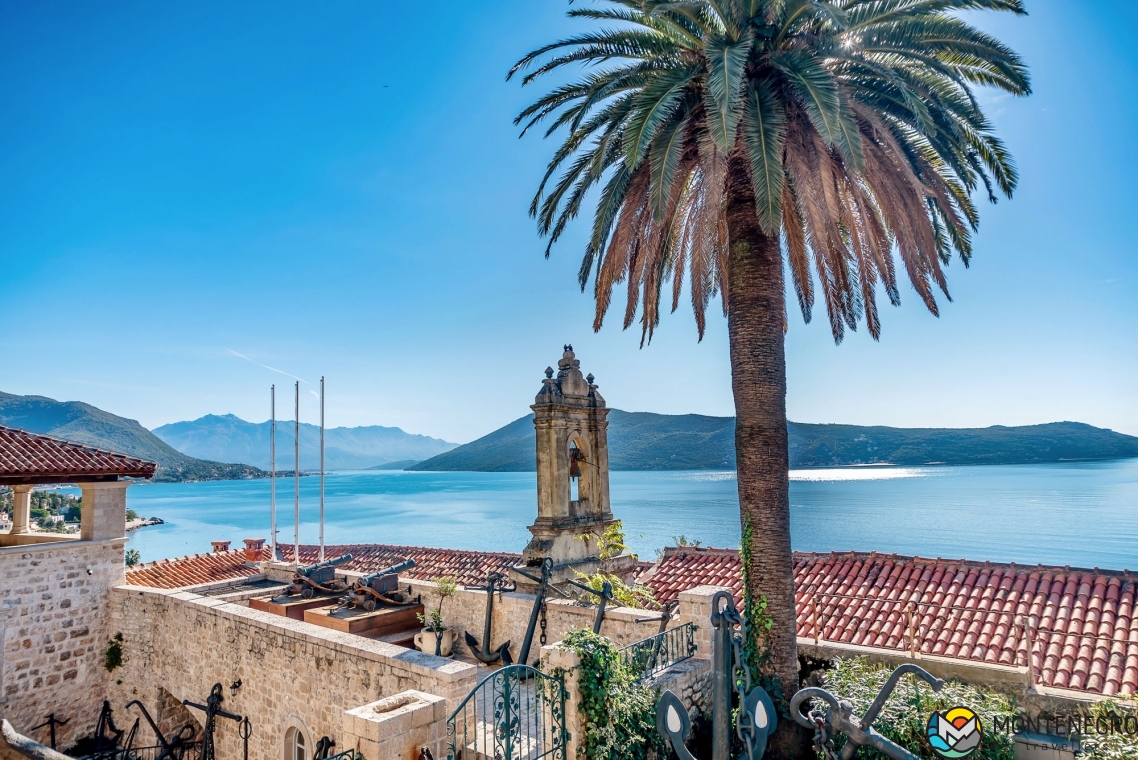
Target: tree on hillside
[[726, 141]]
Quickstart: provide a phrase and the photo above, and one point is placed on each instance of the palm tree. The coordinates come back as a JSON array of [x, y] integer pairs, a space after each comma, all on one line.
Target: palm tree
[[729, 141]]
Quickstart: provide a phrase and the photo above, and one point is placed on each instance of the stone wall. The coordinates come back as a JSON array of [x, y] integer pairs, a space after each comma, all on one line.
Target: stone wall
[[54, 633], [466, 611], [292, 673]]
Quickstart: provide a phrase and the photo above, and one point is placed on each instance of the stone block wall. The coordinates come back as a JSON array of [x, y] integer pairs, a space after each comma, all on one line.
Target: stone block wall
[[54, 633], [466, 611], [292, 673]]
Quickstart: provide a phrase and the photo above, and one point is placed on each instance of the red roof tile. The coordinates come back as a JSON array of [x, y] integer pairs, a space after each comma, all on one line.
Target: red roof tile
[[30, 458], [192, 570], [1085, 629], [469, 568]]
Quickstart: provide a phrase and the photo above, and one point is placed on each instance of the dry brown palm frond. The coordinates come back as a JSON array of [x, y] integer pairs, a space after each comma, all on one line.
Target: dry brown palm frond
[[708, 255], [828, 170], [879, 241], [685, 229], [805, 180], [894, 194], [614, 268], [661, 247], [862, 255], [797, 255]]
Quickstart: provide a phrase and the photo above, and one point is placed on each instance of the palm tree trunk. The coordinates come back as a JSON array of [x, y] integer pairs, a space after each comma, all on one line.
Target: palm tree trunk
[[755, 324]]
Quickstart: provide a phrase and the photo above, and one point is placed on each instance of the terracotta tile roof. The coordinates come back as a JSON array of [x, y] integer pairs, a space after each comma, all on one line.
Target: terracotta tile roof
[[192, 570], [1085, 630], [468, 567], [30, 458], [685, 567]]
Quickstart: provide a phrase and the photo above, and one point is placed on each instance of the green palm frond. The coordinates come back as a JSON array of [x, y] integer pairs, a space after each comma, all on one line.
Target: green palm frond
[[854, 124]]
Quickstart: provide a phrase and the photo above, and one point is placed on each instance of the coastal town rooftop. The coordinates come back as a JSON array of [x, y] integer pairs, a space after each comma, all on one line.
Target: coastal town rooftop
[[28, 459], [1079, 624]]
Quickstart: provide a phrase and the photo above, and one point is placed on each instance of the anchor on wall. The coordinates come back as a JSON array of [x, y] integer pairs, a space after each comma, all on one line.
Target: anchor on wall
[[495, 582], [212, 709], [839, 718]]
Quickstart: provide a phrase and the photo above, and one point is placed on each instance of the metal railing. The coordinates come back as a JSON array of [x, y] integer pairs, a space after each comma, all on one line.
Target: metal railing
[[515, 713], [654, 654], [187, 751]]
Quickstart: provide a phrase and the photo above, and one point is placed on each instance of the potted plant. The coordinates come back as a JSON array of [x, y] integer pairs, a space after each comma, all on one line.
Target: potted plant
[[436, 638]]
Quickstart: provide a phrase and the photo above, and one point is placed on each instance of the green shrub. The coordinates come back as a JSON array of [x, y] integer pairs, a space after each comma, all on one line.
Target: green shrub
[[906, 713], [619, 714], [1111, 746]]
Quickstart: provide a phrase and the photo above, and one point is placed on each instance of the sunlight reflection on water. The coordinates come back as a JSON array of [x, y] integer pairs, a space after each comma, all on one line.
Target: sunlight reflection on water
[[860, 473]]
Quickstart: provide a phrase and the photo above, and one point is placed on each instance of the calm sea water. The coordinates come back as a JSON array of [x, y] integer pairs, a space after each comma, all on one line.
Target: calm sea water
[[1082, 514]]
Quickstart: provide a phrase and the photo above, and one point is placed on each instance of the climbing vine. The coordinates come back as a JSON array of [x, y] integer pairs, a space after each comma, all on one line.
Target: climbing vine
[[619, 715], [756, 647], [113, 656]]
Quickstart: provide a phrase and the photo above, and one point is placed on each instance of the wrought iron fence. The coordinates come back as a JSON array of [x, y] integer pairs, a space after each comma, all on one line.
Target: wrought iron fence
[[649, 656], [189, 751], [515, 713]]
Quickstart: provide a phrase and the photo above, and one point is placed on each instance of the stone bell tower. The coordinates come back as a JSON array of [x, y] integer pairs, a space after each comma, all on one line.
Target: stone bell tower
[[571, 422]]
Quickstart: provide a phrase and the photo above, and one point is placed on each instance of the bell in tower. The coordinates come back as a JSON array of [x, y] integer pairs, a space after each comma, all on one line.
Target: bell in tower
[[571, 422]]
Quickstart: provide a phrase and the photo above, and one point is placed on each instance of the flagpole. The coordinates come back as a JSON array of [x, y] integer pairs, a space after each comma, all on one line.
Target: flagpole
[[321, 468], [296, 481], [273, 474]]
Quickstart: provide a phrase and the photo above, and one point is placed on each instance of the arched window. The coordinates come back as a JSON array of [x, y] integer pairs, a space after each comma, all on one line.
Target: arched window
[[295, 745]]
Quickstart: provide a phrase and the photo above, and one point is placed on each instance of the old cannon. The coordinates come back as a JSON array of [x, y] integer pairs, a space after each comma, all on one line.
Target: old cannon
[[319, 578], [369, 591]]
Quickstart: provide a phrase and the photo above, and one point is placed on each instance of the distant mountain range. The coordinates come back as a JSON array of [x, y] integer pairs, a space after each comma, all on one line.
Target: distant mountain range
[[83, 423], [229, 437], [645, 441]]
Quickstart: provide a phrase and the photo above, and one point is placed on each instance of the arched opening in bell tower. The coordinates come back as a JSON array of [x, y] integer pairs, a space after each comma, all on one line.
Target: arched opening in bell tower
[[580, 476]]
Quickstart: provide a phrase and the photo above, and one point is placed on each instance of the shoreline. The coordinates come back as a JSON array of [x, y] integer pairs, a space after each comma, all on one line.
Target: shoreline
[[143, 522]]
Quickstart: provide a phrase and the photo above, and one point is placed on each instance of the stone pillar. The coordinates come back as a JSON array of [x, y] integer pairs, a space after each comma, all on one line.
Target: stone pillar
[[104, 510], [695, 607], [397, 727], [21, 509], [557, 658]]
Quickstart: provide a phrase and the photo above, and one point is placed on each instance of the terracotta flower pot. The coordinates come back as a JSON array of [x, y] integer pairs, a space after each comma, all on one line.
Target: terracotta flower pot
[[425, 641]]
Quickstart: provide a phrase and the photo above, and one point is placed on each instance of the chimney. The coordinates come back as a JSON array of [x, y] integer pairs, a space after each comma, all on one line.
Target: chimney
[[253, 547], [220, 546]]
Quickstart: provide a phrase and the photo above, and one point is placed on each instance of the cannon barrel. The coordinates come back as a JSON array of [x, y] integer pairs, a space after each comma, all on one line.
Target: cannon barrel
[[310, 569], [406, 564]]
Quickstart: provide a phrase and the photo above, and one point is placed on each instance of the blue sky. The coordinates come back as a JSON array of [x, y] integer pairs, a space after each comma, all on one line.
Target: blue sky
[[337, 189]]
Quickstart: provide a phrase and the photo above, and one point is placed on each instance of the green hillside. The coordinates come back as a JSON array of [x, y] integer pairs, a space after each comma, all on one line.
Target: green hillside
[[86, 424], [645, 441]]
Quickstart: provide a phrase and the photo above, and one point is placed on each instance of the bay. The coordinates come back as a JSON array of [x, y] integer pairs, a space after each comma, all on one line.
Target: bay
[[1083, 514]]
